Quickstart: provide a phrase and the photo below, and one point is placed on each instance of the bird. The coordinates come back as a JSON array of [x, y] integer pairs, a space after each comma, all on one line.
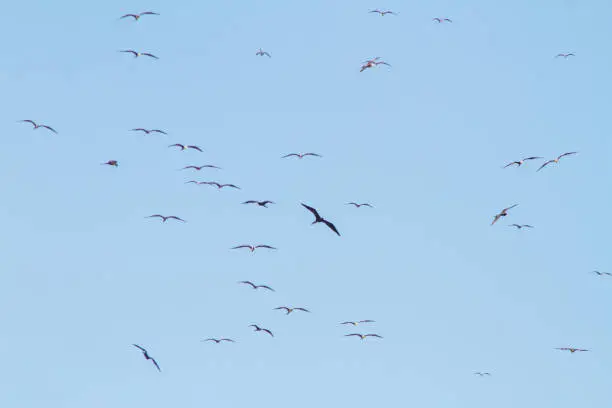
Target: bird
[[262, 53], [111, 163], [519, 163], [318, 218], [301, 155], [357, 205], [358, 322], [218, 185], [136, 17], [254, 286], [198, 168], [383, 12], [36, 126], [570, 349], [173, 217], [519, 226], [502, 213], [147, 131], [147, 356], [253, 248], [185, 147], [555, 160], [441, 20], [602, 273], [260, 203], [218, 340], [139, 54], [571, 54], [257, 328], [362, 336], [481, 374], [291, 309], [372, 63]]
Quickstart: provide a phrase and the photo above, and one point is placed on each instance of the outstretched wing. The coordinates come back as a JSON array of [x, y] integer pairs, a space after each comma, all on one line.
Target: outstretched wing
[[510, 164], [156, 365], [131, 52], [249, 283], [155, 215], [145, 13], [129, 15], [241, 246], [265, 287], [566, 154], [302, 309], [158, 131], [366, 321], [497, 217], [352, 334], [268, 331], [177, 145], [230, 340], [533, 158], [229, 185], [49, 127], [176, 218], [506, 209], [265, 246], [373, 335], [149, 55], [250, 202], [312, 154], [290, 154], [194, 147], [141, 349], [545, 164], [331, 226], [312, 210]]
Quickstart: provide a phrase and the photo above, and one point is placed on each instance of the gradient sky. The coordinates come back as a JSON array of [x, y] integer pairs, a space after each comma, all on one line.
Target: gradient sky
[[85, 275]]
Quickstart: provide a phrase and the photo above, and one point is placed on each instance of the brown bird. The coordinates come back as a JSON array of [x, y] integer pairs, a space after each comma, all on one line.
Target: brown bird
[[362, 336], [218, 340], [198, 168], [570, 349], [136, 17], [519, 163], [111, 163], [519, 226], [254, 286], [301, 155], [360, 205], [185, 147], [253, 248], [555, 160], [441, 20], [291, 309], [257, 328], [382, 13], [146, 356], [36, 126], [360, 321], [502, 213], [571, 54], [260, 203], [138, 54], [218, 185], [147, 131], [163, 218], [261, 52], [318, 218]]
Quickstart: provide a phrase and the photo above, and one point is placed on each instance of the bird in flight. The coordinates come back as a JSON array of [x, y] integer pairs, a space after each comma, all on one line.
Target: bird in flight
[[163, 218], [602, 273], [571, 54], [198, 168], [570, 349], [519, 163], [502, 213], [139, 54], [185, 147], [219, 186], [36, 126], [136, 17], [383, 12], [373, 63], [357, 205], [147, 131], [291, 309], [301, 155], [362, 336], [147, 356], [262, 53], [318, 218], [519, 226], [481, 374], [111, 163], [260, 203], [442, 20], [254, 286], [358, 322], [253, 248], [555, 160], [218, 340], [257, 328]]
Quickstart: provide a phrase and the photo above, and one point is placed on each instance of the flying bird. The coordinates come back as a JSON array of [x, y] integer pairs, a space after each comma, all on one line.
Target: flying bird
[[602, 273], [254, 286], [442, 20], [136, 17], [555, 160], [147, 356], [502, 213], [257, 328], [357, 205], [301, 155], [383, 12], [111, 163], [218, 340], [139, 54], [358, 322], [519, 163], [362, 336], [373, 63], [291, 309], [262, 53], [198, 168], [185, 147], [147, 131], [36, 126], [253, 248], [570, 349], [481, 374], [318, 218], [218, 185], [519, 226], [571, 54], [163, 218], [260, 203]]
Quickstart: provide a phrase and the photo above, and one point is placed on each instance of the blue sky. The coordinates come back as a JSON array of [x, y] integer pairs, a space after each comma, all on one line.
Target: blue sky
[[85, 275]]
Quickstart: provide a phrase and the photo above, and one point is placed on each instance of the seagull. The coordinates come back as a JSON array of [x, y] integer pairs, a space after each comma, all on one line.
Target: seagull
[[198, 168], [185, 147], [383, 12], [555, 160], [254, 286], [253, 248], [519, 226], [441, 20], [219, 186], [363, 336], [166, 218], [602, 273], [36, 126], [481, 374], [136, 17], [570, 349], [357, 205], [502, 213], [259, 203], [301, 155], [318, 218], [146, 355], [291, 309], [138, 54], [571, 54], [519, 163], [360, 321], [111, 163], [147, 131], [218, 340], [262, 53], [257, 328]]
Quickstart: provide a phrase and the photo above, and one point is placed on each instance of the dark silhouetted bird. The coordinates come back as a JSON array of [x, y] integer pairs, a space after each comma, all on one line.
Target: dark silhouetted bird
[[147, 356], [111, 163], [163, 218], [257, 328], [254, 286], [36, 126], [502, 213], [260, 203], [318, 218]]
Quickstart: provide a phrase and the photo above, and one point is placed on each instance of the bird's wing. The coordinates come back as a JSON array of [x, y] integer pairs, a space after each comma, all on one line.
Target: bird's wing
[[177, 145], [129, 15], [497, 217], [175, 218], [141, 349], [289, 155], [230, 340], [268, 331], [312, 210], [249, 283], [366, 321], [231, 185], [512, 206], [241, 246], [533, 158], [348, 323], [141, 129], [130, 51], [250, 202], [528, 226], [312, 154], [383, 63], [448, 19], [266, 287], [195, 148], [156, 365], [29, 121], [561, 348], [545, 164], [367, 205], [267, 53], [302, 309], [150, 55], [265, 246], [510, 164], [375, 11], [566, 154], [373, 335], [144, 13], [49, 127], [281, 308], [352, 334], [355, 204], [155, 215], [268, 202], [159, 131], [331, 226]]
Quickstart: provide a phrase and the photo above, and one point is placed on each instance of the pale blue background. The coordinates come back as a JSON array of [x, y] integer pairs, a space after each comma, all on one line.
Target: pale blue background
[[84, 275]]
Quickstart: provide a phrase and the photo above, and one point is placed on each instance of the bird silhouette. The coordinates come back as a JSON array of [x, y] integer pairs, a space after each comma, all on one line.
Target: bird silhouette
[[362, 336], [383, 12], [185, 147], [602, 273], [520, 226], [253, 247], [111, 163], [163, 218], [442, 20], [259, 203], [481, 374], [571, 54], [254, 286], [136, 17], [570, 349], [290, 310], [139, 54], [301, 155], [218, 185], [146, 355], [502, 213], [261, 52], [198, 168], [358, 322], [257, 329], [36, 126], [148, 131], [318, 218], [218, 340], [360, 205], [519, 163], [555, 160]]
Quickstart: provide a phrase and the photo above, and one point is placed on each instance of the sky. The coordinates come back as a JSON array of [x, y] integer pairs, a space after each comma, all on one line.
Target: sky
[[85, 274]]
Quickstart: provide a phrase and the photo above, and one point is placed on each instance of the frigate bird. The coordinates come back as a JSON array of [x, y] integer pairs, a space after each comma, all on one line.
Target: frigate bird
[[520, 226], [253, 247], [164, 218], [146, 355], [257, 328], [139, 54], [519, 163], [136, 17], [318, 218], [502, 213], [219, 185], [147, 131], [357, 205], [261, 52], [362, 336], [291, 309], [198, 168], [254, 286], [111, 163], [555, 160], [358, 322], [571, 54], [301, 155], [383, 12], [36, 126], [442, 20], [260, 203], [185, 147], [218, 340], [570, 349], [481, 374]]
